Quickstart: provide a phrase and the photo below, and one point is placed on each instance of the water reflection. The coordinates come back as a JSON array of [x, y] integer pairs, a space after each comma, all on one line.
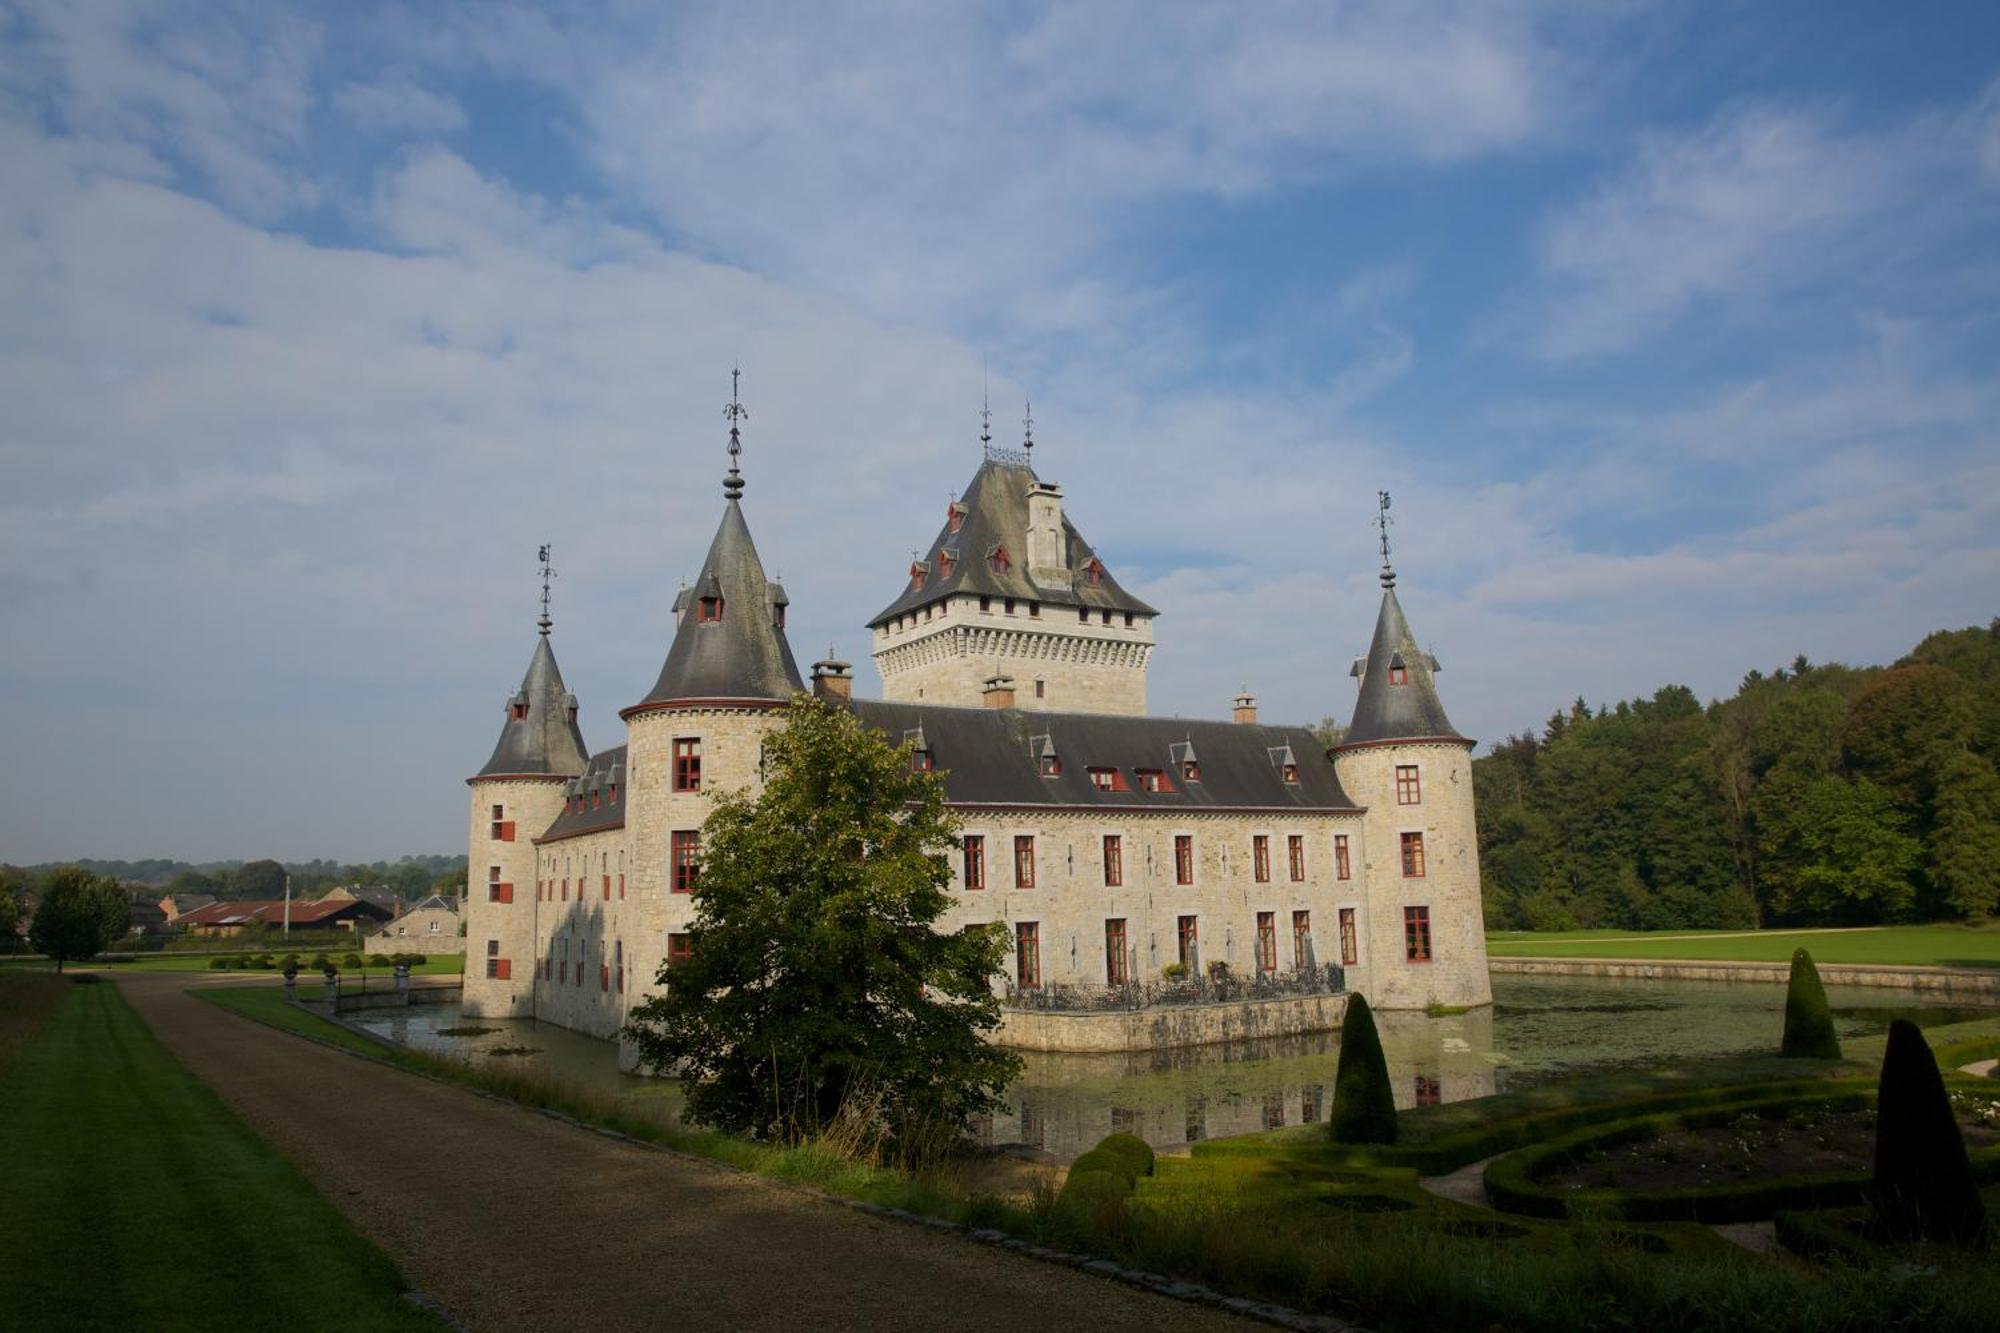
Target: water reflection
[[1538, 1028]]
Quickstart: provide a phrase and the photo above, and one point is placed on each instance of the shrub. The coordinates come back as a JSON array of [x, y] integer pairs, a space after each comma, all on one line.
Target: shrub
[[1922, 1188], [218, 964], [322, 962], [1092, 1200], [1808, 1022], [1364, 1108], [289, 960], [1138, 1154], [352, 960], [1110, 1163], [378, 960], [262, 962], [1174, 972]]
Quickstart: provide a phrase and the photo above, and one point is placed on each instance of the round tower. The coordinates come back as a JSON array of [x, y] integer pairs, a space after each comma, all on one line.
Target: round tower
[[1412, 772], [514, 798], [701, 728]]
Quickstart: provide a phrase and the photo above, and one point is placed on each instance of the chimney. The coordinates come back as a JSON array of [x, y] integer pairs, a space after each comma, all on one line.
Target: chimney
[[831, 679], [1244, 708], [999, 692]]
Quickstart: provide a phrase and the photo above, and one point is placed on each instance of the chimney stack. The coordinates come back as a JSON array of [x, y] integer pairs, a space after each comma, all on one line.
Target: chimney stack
[[831, 679], [1244, 708], [999, 692]]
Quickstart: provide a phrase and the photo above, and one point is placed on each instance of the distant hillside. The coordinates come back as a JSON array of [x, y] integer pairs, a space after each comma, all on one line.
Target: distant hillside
[[412, 876], [1815, 795]]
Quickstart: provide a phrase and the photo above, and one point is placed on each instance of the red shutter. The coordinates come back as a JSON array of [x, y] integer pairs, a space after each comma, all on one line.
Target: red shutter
[[506, 830], [503, 893], [607, 888], [503, 969], [603, 977]]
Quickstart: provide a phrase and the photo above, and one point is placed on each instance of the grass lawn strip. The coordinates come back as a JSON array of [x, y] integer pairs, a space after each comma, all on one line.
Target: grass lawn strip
[[1908, 946], [136, 1199]]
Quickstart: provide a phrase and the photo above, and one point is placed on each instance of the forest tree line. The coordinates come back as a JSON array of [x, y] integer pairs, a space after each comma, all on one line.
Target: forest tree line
[[414, 877], [1815, 795]]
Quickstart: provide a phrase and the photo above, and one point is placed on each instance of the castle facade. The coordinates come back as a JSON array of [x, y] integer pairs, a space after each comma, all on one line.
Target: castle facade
[[1111, 844]]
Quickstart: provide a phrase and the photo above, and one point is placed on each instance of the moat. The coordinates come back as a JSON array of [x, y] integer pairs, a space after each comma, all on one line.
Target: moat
[[1538, 1028]]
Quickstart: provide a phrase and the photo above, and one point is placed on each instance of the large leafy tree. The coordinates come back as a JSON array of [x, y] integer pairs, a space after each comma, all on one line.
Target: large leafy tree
[[817, 979], [79, 914], [258, 879], [1965, 835], [1834, 851]]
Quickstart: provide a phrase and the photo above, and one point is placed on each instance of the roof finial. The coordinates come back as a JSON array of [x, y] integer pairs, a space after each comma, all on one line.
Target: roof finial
[[1028, 427], [985, 412], [548, 572], [1382, 522], [735, 414]]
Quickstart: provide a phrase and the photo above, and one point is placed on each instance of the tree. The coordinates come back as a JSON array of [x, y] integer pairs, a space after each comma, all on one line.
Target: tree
[[13, 884], [80, 913], [1965, 835], [1922, 1187], [258, 879], [817, 979], [1364, 1106], [1809, 1030], [193, 881], [1834, 850]]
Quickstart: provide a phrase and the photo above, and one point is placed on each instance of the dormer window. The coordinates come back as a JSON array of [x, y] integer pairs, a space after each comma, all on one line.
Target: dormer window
[[778, 615], [920, 761], [1051, 766], [917, 572], [1152, 779], [1399, 673], [944, 564], [998, 560], [954, 516], [1190, 771], [517, 708], [708, 610], [1093, 573], [1108, 779], [1290, 773], [1047, 762]]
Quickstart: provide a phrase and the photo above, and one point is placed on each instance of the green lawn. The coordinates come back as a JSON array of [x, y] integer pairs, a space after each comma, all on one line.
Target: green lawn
[[1939, 946], [135, 1199]]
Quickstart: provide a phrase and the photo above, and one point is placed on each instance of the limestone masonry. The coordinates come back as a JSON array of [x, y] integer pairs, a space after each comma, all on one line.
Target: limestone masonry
[[1113, 846]]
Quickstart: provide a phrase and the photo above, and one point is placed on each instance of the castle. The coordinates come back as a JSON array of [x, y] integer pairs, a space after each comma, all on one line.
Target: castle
[[1111, 844]]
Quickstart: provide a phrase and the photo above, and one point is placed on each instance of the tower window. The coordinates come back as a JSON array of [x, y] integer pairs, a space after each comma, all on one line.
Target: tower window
[[1417, 933], [520, 710], [1093, 573], [1083, 615], [954, 517], [1041, 689], [778, 614], [1188, 928], [1035, 610], [998, 561], [1107, 615], [985, 604], [944, 564], [1399, 675], [1008, 606], [1128, 620], [1413, 855], [687, 763], [686, 845], [708, 610], [916, 576], [1408, 790], [1267, 941]]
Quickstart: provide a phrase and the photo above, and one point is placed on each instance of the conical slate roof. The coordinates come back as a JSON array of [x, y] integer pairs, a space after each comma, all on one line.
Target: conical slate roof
[[1386, 711], [741, 654], [995, 514], [541, 735]]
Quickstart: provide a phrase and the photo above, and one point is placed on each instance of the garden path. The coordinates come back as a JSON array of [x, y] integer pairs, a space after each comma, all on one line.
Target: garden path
[[514, 1220]]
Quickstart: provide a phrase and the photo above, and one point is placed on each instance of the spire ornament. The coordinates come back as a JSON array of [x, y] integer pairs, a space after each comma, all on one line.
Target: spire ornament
[[736, 414], [1028, 428], [548, 573], [1382, 523]]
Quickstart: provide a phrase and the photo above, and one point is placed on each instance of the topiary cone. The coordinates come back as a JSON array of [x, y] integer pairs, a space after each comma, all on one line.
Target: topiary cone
[[1808, 1022], [1923, 1187], [1364, 1107]]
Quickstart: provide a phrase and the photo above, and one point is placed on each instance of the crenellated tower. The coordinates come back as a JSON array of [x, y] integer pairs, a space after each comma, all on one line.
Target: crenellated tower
[[514, 797], [1405, 763], [1010, 590]]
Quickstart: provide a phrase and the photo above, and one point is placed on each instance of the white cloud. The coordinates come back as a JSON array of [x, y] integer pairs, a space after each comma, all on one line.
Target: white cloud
[[398, 102]]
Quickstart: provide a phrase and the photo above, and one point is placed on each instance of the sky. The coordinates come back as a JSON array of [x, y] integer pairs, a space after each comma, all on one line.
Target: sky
[[1671, 328]]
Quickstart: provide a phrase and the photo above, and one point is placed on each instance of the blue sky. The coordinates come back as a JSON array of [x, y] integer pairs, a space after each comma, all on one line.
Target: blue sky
[[1671, 327]]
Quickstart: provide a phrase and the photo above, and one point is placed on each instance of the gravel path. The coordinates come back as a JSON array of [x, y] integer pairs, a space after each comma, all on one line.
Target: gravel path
[[512, 1220]]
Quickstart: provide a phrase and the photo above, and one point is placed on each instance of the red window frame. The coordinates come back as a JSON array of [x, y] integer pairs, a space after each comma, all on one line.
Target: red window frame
[[1290, 773], [1340, 861], [686, 845], [1153, 779], [709, 610], [1051, 764], [920, 761], [1027, 954], [1429, 1090], [687, 763], [1302, 929], [1184, 858], [1108, 779], [1350, 945], [1114, 861], [680, 948], [497, 968], [1413, 856], [1260, 857], [1409, 785], [1187, 930], [1116, 973], [1024, 860], [1399, 675], [1417, 934], [1295, 853], [975, 862], [1267, 941]]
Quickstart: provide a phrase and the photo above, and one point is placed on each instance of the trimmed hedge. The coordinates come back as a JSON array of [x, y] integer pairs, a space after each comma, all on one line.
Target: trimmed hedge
[[1922, 1187], [1809, 1031], [1137, 1153], [1364, 1109]]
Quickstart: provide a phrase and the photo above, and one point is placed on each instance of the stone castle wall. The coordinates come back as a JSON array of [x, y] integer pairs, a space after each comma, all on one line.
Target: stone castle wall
[[504, 931], [944, 654]]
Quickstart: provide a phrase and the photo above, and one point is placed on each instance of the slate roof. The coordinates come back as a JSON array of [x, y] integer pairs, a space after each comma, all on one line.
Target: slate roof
[[244, 911], [990, 756], [587, 803], [744, 655], [546, 740], [996, 514], [1408, 711]]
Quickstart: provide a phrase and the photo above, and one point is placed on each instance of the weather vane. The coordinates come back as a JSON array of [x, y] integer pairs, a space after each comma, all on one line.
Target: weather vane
[[736, 414], [548, 573], [1028, 426], [985, 411], [1382, 522]]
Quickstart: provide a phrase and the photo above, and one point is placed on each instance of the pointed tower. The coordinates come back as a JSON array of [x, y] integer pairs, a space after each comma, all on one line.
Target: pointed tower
[[700, 729], [1009, 587], [1404, 762], [514, 797]]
